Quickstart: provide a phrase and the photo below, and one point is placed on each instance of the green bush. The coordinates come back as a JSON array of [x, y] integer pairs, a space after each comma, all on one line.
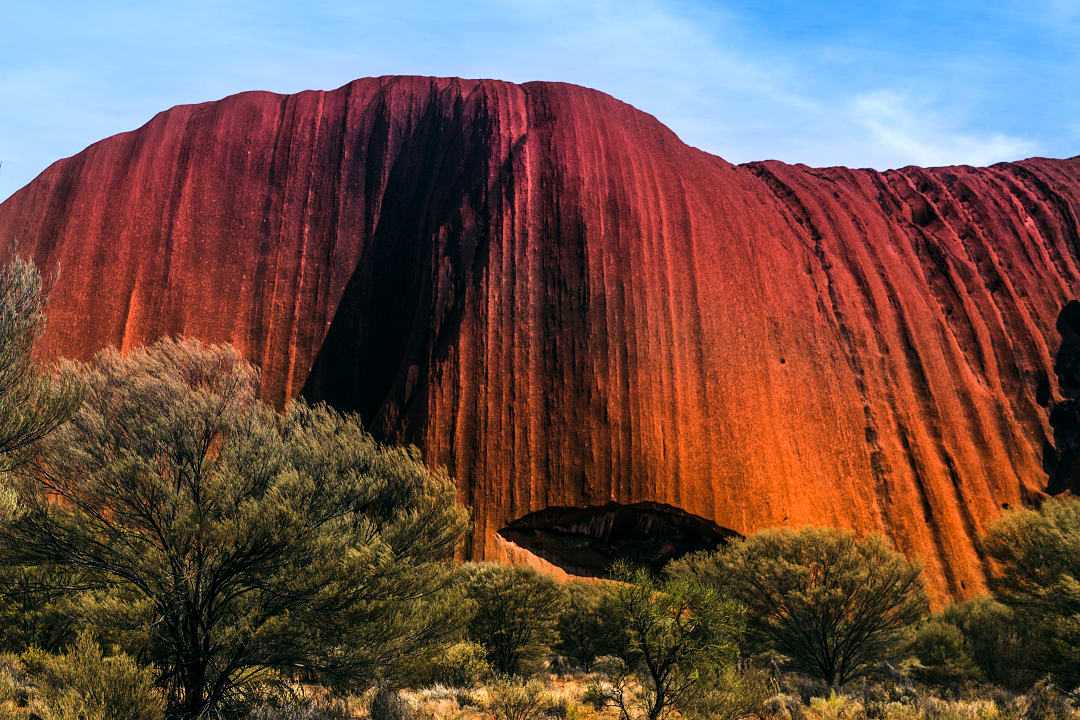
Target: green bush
[[1039, 556], [682, 637], [731, 694], [943, 655], [80, 684], [561, 708], [516, 615], [835, 707], [387, 704], [995, 642], [32, 405], [231, 542], [834, 604], [588, 626], [459, 665], [509, 699], [29, 620], [291, 703]]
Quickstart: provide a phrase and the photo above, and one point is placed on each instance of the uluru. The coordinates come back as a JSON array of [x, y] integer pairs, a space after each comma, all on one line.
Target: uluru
[[594, 326]]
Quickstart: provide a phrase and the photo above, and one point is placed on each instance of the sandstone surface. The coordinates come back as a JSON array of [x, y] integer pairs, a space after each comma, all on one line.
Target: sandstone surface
[[551, 294]]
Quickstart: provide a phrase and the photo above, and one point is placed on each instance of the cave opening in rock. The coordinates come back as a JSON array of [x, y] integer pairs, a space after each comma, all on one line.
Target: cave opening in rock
[[589, 540]]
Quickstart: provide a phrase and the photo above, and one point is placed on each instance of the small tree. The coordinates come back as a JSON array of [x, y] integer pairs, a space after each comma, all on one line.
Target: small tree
[[682, 637], [589, 626], [831, 603], [943, 655], [996, 642], [1039, 555], [32, 404], [231, 543], [516, 614]]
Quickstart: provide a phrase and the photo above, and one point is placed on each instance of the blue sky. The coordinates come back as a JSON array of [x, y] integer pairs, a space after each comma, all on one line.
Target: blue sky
[[824, 83]]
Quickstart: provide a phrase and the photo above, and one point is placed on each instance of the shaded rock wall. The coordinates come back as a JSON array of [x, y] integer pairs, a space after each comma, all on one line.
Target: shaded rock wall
[[551, 294]]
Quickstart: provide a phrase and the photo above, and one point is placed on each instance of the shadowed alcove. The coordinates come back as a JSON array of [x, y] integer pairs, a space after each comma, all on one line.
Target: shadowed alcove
[[588, 540]]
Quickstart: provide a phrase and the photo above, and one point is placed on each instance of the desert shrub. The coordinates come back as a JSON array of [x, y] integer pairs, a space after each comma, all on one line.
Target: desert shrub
[[835, 707], [293, 703], [437, 692], [588, 626], [942, 654], [467, 699], [894, 711], [561, 707], [14, 689], [511, 699], [1044, 701], [459, 665], [516, 615], [1039, 555], [78, 684], [995, 641], [32, 403], [231, 542], [889, 687], [731, 694], [681, 638], [933, 708], [387, 704], [783, 707], [27, 619], [835, 605]]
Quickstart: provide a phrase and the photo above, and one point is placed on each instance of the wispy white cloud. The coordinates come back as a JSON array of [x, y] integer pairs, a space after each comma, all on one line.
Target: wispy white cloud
[[704, 74], [912, 129], [743, 83]]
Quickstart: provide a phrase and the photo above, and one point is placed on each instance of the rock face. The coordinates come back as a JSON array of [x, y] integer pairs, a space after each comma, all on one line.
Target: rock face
[[555, 297]]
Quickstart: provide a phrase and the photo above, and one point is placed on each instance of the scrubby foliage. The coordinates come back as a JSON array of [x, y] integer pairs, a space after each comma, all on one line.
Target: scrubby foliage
[[1039, 555], [516, 615], [995, 642], [460, 664], [943, 655], [833, 604], [295, 704], [32, 403], [510, 699], [80, 684], [682, 637], [731, 694], [225, 541], [589, 626], [30, 617], [388, 704]]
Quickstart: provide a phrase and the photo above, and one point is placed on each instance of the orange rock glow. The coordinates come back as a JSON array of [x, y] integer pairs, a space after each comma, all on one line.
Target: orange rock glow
[[551, 294]]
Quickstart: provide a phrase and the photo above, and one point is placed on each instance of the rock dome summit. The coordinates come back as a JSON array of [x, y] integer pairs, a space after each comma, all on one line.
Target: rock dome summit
[[555, 297]]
